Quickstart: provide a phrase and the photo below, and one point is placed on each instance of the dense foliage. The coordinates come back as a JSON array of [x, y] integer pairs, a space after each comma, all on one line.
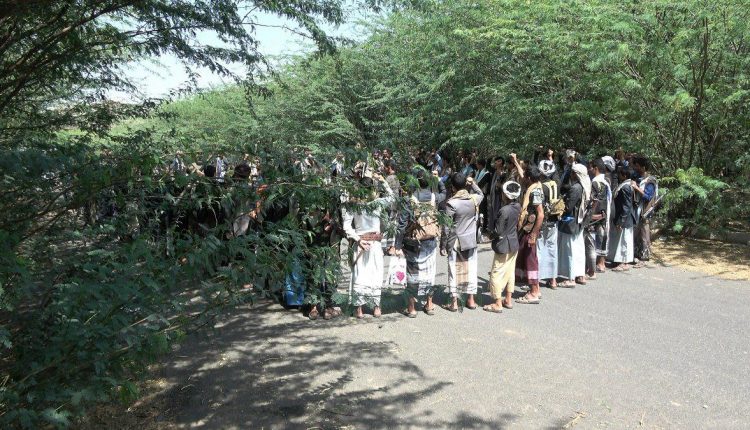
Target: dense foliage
[[103, 262], [668, 79], [105, 257]]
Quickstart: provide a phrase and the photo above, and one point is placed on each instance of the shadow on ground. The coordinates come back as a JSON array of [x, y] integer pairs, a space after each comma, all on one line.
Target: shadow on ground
[[265, 368]]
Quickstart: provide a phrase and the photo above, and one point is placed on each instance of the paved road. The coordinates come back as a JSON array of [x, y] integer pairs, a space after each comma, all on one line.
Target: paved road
[[654, 348]]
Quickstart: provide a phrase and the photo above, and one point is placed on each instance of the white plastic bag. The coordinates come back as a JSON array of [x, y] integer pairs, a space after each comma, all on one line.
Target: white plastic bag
[[397, 271]]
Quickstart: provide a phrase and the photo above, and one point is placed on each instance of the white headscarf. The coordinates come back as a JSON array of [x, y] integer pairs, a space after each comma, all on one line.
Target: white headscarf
[[570, 156], [512, 195], [547, 167], [609, 162], [582, 174]]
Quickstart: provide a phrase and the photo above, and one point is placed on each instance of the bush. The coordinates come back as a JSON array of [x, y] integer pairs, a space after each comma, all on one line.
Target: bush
[[697, 203]]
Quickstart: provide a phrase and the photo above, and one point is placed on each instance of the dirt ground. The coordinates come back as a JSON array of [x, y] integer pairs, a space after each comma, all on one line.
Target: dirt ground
[[724, 260], [150, 412]]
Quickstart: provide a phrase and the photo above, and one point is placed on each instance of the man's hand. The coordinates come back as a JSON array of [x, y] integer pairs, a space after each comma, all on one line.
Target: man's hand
[[435, 173], [469, 180], [532, 239], [398, 253], [513, 156], [364, 245], [443, 252]]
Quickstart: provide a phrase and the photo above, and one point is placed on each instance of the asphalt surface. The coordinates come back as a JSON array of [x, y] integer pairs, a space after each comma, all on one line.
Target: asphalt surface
[[652, 348]]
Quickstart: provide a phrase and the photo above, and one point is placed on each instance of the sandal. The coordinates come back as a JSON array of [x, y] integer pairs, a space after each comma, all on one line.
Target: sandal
[[450, 308], [472, 307], [598, 270], [551, 287], [528, 301], [620, 268], [430, 311], [377, 312], [409, 314], [493, 308], [581, 282], [566, 284], [313, 314], [507, 306]]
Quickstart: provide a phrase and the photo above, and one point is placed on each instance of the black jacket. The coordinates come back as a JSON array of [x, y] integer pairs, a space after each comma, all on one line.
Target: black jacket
[[494, 199], [569, 224], [625, 215], [572, 200], [506, 229]]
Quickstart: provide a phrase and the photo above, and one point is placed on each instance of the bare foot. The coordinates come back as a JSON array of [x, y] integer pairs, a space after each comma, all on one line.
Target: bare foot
[[495, 308], [331, 313], [376, 312], [621, 268], [358, 313], [412, 307], [508, 304], [453, 307]]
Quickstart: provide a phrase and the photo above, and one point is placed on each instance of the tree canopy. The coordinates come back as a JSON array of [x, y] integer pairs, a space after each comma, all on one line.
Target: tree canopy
[[668, 79]]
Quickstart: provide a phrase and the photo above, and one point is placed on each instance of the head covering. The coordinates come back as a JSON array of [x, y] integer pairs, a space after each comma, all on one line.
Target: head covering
[[609, 162], [570, 155], [512, 195], [547, 167], [582, 173]]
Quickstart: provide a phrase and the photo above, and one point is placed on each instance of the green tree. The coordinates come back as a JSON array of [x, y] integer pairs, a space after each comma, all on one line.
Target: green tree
[[668, 79], [103, 262]]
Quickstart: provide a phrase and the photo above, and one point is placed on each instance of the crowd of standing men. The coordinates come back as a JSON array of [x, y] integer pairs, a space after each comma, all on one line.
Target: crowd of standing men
[[554, 222], [549, 222]]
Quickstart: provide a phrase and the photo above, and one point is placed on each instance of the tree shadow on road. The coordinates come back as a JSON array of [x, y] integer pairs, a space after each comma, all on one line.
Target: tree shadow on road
[[267, 368]]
